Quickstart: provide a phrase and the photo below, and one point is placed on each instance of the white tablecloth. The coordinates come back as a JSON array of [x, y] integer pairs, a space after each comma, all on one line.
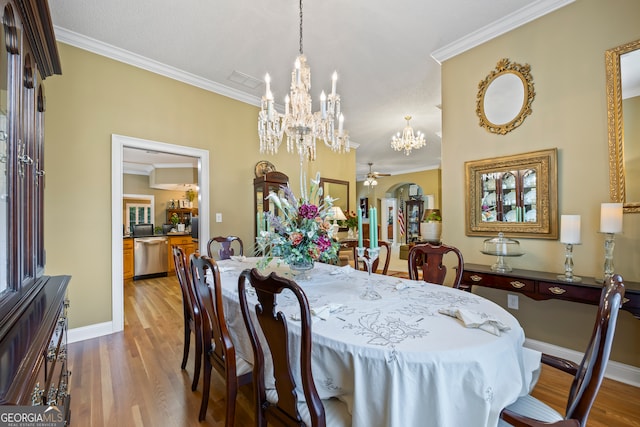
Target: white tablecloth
[[396, 361]]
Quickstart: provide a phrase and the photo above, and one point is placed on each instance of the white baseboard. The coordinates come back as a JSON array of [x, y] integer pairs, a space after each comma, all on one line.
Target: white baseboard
[[615, 370], [88, 332]]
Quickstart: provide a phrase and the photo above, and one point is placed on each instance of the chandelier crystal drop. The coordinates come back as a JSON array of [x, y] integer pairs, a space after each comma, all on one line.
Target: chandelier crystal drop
[[407, 141], [301, 125]]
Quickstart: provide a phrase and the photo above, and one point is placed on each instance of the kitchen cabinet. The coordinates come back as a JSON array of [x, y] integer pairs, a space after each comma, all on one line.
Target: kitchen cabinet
[[186, 243], [33, 323], [413, 216], [127, 258], [184, 215], [262, 185]]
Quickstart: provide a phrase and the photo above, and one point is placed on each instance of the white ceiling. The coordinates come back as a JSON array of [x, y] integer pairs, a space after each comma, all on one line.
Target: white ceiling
[[383, 52]]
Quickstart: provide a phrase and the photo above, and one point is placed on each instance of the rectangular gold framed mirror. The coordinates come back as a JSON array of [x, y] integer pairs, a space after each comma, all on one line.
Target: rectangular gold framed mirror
[[516, 195], [623, 95], [337, 189]]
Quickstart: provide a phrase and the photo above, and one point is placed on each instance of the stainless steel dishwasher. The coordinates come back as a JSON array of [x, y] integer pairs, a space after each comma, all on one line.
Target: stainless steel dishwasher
[[150, 255]]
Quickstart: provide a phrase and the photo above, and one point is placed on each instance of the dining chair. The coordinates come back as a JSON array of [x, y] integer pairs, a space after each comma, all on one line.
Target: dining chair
[[529, 411], [191, 308], [385, 251], [219, 352], [221, 247], [282, 406], [428, 258]]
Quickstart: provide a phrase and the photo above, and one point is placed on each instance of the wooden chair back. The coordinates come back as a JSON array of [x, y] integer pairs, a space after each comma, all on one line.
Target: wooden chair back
[[273, 325], [588, 375], [218, 347], [192, 321], [385, 253], [221, 247], [588, 378], [429, 258]]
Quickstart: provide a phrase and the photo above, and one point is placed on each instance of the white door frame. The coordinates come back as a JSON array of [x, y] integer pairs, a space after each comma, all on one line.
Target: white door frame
[[118, 142]]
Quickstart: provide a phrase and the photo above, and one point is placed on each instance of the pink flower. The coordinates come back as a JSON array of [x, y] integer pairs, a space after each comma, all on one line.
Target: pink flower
[[308, 211]]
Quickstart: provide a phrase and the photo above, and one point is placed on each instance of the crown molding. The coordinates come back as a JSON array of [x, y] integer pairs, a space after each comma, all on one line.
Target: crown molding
[[92, 45], [497, 28]]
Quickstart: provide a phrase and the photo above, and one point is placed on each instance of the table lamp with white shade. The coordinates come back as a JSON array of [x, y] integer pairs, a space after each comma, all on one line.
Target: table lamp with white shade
[[337, 215]]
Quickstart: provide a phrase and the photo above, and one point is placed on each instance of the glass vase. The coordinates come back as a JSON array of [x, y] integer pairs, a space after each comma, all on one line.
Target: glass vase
[[300, 269]]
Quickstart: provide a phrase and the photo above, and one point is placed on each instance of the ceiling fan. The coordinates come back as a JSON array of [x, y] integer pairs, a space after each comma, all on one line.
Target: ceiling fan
[[372, 177]]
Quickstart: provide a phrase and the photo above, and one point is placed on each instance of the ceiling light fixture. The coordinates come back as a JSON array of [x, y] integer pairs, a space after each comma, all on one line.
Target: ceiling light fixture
[[301, 125], [407, 140], [370, 182]]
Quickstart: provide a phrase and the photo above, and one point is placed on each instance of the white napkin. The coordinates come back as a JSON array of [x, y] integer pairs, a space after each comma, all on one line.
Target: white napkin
[[406, 284], [224, 269], [323, 312], [240, 258], [474, 319]]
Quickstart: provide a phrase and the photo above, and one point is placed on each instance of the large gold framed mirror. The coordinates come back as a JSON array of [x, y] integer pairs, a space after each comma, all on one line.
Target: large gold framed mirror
[[623, 113], [516, 195], [505, 96]]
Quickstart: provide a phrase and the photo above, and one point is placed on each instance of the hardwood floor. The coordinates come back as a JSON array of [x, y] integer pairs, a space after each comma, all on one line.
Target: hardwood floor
[[133, 378]]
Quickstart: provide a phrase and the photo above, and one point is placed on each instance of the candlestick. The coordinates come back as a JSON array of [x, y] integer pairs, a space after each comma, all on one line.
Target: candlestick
[[372, 255], [611, 218], [570, 229], [609, 244], [568, 266]]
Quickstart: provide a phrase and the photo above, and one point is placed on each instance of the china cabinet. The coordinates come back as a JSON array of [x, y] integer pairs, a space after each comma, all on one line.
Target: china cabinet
[[413, 216], [33, 324], [262, 185], [509, 196]]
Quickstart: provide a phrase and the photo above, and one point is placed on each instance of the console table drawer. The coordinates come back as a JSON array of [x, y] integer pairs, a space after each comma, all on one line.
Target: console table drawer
[[570, 292], [498, 282]]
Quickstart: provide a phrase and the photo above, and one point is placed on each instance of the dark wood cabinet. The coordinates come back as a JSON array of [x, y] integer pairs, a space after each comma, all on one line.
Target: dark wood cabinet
[[262, 185], [413, 211], [33, 325], [540, 285]]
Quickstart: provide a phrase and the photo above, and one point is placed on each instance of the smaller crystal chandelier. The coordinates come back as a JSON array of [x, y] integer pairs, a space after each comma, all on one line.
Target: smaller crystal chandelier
[[407, 141], [301, 125]]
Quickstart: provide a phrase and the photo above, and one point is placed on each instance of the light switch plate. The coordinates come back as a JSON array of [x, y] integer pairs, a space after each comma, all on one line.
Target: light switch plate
[[218, 217], [512, 301]]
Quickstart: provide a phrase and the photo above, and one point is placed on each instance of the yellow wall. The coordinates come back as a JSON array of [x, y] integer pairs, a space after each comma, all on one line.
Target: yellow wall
[[566, 52], [97, 97]]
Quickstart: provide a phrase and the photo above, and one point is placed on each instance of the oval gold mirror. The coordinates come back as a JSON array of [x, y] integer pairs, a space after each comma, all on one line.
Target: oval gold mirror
[[505, 96], [623, 96]]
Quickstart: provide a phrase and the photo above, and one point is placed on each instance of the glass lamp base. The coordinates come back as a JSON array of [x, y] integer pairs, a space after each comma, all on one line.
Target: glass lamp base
[[572, 279]]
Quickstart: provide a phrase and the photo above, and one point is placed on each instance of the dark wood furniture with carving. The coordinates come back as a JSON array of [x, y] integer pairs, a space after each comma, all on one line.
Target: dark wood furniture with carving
[[540, 285], [283, 408], [33, 323], [262, 185], [413, 212], [221, 247], [429, 259], [219, 352], [587, 376], [385, 252], [191, 312]]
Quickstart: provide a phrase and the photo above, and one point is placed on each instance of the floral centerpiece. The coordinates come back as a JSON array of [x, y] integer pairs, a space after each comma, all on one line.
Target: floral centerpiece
[[299, 229], [351, 221]]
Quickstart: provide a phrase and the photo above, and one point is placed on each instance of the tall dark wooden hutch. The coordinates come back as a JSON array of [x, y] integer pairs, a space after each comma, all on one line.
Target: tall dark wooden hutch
[[33, 324]]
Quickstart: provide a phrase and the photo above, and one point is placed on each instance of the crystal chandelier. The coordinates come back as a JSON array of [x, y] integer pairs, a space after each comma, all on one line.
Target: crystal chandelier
[[407, 141], [301, 125]]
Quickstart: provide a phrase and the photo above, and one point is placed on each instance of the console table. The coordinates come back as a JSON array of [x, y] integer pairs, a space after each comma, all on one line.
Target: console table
[[543, 286]]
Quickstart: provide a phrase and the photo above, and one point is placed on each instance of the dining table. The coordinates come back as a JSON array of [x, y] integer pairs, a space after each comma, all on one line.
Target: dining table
[[402, 360]]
